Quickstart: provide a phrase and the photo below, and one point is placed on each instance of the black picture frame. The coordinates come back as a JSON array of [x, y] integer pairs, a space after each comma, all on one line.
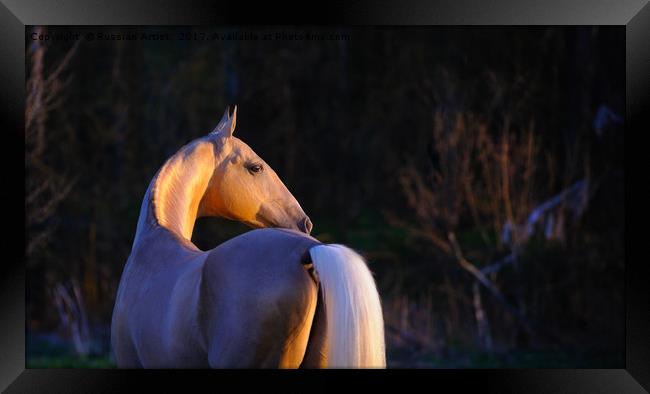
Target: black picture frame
[[16, 14]]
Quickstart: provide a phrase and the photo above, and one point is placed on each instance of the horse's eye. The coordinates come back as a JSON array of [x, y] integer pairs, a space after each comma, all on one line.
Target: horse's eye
[[255, 168]]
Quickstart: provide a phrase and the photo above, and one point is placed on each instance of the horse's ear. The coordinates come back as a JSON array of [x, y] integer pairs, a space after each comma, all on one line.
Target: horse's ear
[[227, 123], [233, 120]]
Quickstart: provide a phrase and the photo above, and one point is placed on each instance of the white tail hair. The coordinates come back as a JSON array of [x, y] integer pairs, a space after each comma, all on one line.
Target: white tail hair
[[355, 324]]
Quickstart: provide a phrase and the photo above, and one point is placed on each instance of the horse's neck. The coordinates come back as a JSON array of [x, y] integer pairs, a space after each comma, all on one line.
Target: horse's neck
[[173, 197]]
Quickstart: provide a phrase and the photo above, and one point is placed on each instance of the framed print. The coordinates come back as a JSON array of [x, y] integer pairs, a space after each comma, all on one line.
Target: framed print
[[419, 190]]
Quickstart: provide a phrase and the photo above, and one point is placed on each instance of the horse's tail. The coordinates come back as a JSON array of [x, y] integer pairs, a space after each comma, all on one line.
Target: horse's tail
[[355, 325]]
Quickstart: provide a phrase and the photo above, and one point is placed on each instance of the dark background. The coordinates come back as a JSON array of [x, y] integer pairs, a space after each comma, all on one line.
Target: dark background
[[390, 138]]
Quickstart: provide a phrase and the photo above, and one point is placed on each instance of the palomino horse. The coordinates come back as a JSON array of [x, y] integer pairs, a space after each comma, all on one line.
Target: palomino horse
[[272, 297]]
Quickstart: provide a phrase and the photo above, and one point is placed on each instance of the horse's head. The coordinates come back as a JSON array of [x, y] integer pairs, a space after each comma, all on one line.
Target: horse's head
[[245, 188]]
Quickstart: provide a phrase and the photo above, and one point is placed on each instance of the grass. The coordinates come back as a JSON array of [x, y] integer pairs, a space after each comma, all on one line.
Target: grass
[[70, 361], [396, 359], [51, 351], [58, 356], [518, 359]]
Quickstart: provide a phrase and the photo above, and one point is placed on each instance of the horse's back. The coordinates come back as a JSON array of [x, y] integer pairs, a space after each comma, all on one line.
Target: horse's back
[[263, 298], [269, 248]]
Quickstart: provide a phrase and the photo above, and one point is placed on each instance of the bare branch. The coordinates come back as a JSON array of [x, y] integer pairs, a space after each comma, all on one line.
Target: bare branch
[[482, 322], [43, 212], [496, 266], [54, 75], [35, 193], [430, 236], [471, 268], [35, 241], [72, 315]]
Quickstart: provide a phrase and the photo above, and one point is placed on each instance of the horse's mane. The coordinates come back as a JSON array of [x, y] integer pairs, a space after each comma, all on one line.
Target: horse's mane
[[179, 186]]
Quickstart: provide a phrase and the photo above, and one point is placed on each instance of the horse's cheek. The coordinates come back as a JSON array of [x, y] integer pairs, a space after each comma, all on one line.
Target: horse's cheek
[[240, 204]]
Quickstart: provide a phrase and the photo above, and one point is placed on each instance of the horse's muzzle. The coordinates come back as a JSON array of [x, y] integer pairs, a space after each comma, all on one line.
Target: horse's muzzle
[[305, 225]]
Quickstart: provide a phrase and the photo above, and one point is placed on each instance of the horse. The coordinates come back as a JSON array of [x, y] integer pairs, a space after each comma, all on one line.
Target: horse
[[272, 297]]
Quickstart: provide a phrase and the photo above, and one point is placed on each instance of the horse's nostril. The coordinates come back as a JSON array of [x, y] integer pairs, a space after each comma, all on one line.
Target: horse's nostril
[[305, 225]]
